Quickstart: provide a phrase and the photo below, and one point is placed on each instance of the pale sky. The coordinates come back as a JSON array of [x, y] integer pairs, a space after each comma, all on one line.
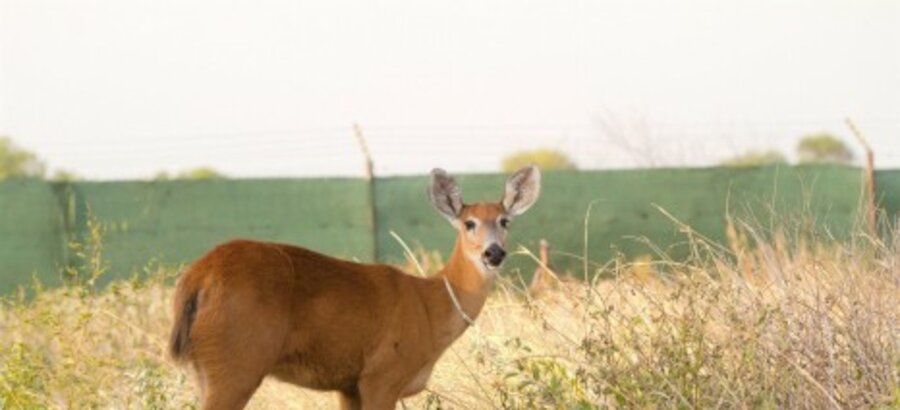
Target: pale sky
[[118, 89]]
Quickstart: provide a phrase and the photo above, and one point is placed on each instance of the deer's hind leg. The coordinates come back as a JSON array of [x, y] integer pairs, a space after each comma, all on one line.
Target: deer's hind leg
[[231, 361], [230, 376], [378, 395], [350, 400], [229, 394]]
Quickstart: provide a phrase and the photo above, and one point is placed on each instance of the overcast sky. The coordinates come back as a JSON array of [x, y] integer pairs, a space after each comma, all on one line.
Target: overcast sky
[[118, 89]]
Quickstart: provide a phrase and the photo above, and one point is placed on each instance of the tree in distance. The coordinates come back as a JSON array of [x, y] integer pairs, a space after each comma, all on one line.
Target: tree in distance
[[195, 173], [823, 148], [17, 162], [545, 158], [755, 158]]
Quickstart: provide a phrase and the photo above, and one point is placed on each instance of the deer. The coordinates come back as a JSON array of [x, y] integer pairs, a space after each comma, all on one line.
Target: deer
[[249, 309]]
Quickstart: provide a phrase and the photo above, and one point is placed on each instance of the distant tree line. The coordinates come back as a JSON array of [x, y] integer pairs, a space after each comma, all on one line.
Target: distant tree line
[[811, 149], [195, 173], [545, 158], [19, 163], [16, 162]]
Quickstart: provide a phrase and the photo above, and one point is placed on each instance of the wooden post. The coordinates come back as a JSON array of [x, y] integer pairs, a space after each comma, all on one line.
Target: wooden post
[[871, 200], [544, 277], [369, 173]]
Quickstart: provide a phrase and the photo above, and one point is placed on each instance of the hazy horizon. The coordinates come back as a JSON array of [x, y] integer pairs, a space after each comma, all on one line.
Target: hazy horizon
[[124, 89]]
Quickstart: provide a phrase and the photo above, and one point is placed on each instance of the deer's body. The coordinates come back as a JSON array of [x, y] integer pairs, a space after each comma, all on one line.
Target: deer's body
[[249, 309]]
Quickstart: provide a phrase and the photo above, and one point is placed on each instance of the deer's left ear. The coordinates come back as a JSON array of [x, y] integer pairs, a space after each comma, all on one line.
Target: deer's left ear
[[522, 190]]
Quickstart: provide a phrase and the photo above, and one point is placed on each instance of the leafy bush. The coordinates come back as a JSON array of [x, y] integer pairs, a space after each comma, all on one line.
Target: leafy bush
[[545, 158]]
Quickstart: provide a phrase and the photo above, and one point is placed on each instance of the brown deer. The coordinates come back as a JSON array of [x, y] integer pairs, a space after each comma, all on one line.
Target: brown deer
[[250, 309]]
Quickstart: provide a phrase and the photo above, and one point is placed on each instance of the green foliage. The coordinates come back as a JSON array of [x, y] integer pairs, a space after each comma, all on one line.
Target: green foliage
[[755, 159], [195, 173], [150, 384], [546, 158], [16, 162], [89, 262], [823, 148], [21, 378], [200, 173], [80, 346], [540, 382]]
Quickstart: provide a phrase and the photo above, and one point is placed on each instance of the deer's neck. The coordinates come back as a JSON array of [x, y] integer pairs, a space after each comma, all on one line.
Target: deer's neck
[[471, 285]]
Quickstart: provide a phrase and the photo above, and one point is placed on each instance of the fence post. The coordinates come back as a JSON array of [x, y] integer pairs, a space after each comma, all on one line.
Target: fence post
[[369, 174], [871, 201]]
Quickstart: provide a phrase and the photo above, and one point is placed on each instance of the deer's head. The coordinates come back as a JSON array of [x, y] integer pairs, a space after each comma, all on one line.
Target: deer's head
[[482, 227]]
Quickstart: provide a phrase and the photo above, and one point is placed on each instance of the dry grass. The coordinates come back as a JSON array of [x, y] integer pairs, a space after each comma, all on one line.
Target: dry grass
[[791, 321]]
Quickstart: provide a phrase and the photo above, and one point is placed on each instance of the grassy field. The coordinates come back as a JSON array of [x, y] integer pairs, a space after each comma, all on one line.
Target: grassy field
[[783, 318]]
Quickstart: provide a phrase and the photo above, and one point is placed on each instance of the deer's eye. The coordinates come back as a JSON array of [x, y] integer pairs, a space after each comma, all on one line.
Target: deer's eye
[[470, 225], [504, 222]]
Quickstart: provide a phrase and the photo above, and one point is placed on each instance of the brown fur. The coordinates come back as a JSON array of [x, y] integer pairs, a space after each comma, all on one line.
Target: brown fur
[[250, 309]]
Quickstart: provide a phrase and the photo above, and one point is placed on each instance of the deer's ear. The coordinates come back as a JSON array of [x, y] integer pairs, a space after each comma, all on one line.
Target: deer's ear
[[445, 195], [522, 190]]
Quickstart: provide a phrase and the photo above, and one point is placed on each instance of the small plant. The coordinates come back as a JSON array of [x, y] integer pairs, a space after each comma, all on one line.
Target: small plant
[[540, 382], [88, 263], [149, 379], [21, 378]]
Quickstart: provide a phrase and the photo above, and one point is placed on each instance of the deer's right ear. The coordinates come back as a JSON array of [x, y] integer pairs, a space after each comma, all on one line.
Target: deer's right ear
[[522, 190], [445, 195]]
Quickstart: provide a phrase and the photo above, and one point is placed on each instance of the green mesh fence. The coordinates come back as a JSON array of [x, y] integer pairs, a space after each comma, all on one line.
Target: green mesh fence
[[888, 185], [625, 209], [176, 221], [31, 234]]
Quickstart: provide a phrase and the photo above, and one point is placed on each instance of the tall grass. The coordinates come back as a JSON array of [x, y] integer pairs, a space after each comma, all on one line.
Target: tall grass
[[776, 319]]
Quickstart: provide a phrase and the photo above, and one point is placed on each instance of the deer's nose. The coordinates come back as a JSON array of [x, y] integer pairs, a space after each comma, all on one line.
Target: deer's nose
[[494, 254]]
